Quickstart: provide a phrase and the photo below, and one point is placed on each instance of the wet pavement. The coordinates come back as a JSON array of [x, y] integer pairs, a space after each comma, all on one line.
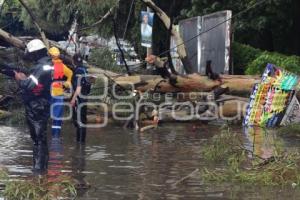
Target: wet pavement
[[122, 164]]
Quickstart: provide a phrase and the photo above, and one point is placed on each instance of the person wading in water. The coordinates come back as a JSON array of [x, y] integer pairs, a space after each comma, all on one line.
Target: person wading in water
[[35, 90], [82, 88]]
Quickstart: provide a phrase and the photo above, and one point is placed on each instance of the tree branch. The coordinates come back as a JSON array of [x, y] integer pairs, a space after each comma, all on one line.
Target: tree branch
[[12, 39], [100, 20], [32, 16], [179, 41]]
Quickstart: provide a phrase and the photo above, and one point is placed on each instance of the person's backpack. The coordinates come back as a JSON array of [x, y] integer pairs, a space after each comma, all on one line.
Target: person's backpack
[[86, 85]]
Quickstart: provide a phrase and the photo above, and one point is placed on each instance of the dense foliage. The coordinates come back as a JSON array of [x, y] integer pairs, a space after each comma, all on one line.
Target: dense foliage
[[257, 66], [253, 61], [10, 18], [57, 16], [273, 25], [243, 55], [105, 59]]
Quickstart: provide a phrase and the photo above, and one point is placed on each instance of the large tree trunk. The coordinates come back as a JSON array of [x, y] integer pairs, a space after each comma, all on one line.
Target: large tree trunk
[[240, 84], [21, 44], [231, 108], [12, 39], [179, 41], [189, 83]]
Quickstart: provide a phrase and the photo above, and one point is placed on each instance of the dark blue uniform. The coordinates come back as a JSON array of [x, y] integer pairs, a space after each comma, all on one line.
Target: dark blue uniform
[[36, 96], [80, 119]]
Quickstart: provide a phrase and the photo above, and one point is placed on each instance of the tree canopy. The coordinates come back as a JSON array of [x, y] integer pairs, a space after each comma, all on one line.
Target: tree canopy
[[274, 25]]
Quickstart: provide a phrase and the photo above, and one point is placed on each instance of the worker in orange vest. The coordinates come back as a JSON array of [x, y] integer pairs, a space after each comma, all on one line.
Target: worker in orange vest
[[61, 77]]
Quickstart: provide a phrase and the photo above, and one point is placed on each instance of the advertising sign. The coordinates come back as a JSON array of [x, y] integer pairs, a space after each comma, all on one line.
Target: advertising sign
[[280, 78], [270, 99], [146, 28]]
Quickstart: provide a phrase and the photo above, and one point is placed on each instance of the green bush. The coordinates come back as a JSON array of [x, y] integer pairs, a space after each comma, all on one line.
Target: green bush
[[257, 66], [243, 55], [253, 61]]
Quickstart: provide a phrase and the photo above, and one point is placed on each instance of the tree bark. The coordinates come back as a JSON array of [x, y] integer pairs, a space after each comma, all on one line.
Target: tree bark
[[12, 39], [21, 44], [241, 85]]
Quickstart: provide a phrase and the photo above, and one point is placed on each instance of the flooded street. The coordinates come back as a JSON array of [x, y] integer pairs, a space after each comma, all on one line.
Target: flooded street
[[120, 164]]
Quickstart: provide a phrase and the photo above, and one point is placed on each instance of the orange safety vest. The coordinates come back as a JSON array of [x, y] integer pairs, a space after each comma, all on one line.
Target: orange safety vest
[[58, 75]]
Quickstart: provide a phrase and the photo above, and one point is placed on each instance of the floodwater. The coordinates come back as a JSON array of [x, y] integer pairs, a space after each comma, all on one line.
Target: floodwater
[[120, 164]]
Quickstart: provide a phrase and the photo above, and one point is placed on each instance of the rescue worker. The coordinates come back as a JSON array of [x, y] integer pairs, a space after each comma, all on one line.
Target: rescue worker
[[82, 88], [36, 95], [62, 77]]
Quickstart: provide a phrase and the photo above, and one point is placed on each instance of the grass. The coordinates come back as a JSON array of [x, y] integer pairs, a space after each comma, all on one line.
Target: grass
[[37, 188], [292, 130], [227, 148]]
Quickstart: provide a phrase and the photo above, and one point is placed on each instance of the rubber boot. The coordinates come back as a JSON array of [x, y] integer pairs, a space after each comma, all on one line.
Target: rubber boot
[[34, 155], [40, 158], [81, 134]]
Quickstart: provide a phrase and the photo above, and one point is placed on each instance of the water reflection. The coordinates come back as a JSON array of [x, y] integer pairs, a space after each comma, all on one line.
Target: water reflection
[[121, 164], [15, 151], [78, 164], [260, 141], [56, 159]]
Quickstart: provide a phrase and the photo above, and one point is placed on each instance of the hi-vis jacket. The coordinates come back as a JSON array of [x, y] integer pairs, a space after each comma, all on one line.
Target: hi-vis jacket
[[62, 77], [37, 85]]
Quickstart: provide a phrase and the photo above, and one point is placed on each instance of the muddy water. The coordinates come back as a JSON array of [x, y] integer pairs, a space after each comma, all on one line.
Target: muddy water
[[121, 164]]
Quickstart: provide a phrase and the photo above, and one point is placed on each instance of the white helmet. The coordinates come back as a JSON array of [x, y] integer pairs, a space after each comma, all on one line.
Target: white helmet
[[35, 45]]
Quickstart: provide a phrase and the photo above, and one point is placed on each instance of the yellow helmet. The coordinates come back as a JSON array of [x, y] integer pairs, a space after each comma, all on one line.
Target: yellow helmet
[[54, 52]]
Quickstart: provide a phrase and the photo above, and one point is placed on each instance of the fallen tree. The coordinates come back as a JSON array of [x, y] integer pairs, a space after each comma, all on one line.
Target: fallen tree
[[175, 83], [184, 85], [166, 82], [241, 85], [14, 41]]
